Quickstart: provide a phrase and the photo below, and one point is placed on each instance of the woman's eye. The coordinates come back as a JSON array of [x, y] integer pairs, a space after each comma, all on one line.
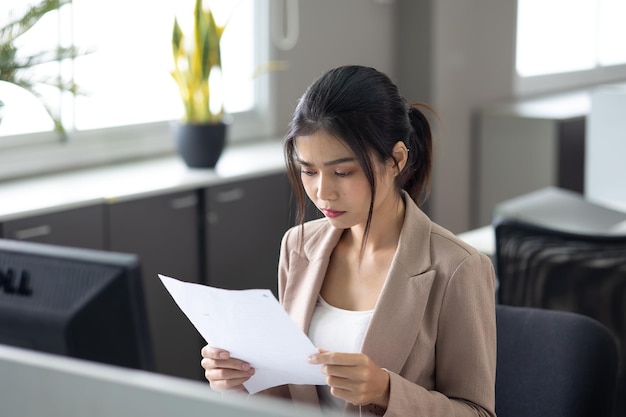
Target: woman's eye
[[309, 173], [342, 174]]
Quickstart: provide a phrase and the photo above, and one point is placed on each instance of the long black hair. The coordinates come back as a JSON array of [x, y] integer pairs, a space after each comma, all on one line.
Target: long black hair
[[363, 108]]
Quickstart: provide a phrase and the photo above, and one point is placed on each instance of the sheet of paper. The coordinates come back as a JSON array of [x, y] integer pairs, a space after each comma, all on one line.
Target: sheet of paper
[[253, 327]]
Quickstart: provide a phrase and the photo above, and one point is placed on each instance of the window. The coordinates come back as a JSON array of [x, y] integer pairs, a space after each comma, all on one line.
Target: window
[[126, 76], [563, 43]]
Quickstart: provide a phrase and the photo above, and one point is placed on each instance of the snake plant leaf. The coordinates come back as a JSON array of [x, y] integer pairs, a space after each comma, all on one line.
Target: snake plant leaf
[[194, 63], [177, 39], [214, 37]]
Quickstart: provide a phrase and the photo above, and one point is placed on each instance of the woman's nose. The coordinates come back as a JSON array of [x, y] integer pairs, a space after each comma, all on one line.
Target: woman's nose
[[325, 188]]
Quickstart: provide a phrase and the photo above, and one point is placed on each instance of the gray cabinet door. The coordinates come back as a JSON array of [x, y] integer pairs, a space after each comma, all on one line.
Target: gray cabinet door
[[164, 232], [245, 223], [80, 227]]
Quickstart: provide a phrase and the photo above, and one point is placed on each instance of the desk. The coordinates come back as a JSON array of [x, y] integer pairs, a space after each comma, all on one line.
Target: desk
[[555, 208], [36, 384]]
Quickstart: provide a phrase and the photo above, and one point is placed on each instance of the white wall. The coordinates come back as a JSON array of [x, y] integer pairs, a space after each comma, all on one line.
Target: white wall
[[333, 33], [473, 63]]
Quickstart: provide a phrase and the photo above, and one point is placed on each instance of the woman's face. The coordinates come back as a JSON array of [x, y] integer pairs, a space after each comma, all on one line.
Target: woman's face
[[336, 184]]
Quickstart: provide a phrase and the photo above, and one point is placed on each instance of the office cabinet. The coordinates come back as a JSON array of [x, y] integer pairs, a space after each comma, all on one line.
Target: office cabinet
[[164, 231], [221, 227], [245, 221], [80, 227]]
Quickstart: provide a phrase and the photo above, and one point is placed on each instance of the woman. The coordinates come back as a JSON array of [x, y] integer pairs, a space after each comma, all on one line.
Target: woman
[[401, 310]]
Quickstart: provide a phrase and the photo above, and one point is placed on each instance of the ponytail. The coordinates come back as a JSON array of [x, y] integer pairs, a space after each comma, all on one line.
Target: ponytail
[[415, 177]]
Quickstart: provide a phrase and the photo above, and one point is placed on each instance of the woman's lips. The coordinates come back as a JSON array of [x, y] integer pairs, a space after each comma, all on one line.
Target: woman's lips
[[332, 213]]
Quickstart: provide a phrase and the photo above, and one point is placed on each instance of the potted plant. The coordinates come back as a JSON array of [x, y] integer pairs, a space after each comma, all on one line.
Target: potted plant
[[201, 133], [14, 68]]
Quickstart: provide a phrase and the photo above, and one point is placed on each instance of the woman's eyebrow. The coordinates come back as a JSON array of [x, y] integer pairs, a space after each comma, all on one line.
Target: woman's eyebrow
[[329, 163]]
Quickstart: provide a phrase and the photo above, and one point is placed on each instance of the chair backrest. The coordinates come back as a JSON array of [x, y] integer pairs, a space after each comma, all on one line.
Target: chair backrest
[[556, 270], [553, 364]]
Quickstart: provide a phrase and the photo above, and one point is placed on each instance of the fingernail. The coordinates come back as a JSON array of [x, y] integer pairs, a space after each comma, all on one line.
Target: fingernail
[[245, 366], [311, 359], [223, 355]]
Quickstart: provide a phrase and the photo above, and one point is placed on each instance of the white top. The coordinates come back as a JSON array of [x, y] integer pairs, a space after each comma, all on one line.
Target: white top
[[337, 330]]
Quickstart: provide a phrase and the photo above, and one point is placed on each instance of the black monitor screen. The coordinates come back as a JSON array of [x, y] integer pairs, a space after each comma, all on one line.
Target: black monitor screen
[[81, 303]]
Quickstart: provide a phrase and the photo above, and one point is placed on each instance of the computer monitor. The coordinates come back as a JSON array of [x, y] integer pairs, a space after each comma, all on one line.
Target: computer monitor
[[80, 303]]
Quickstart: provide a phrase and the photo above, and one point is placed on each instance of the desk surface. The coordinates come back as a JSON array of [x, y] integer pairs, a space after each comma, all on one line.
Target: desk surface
[[34, 196], [35, 383], [555, 208], [564, 210]]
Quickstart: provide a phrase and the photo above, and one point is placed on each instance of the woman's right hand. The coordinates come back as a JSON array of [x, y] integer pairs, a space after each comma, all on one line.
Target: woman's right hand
[[224, 372]]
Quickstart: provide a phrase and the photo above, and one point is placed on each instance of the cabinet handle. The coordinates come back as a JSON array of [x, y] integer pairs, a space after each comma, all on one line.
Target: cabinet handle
[[230, 195], [184, 202], [33, 232], [212, 217]]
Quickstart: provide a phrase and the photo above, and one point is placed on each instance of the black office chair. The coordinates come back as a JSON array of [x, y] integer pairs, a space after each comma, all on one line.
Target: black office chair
[[553, 364], [557, 270]]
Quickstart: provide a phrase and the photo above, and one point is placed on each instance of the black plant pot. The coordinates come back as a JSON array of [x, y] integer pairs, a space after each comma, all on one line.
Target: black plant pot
[[200, 145]]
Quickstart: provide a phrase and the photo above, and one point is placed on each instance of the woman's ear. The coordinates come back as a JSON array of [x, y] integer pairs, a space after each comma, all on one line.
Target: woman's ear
[[401, 154]]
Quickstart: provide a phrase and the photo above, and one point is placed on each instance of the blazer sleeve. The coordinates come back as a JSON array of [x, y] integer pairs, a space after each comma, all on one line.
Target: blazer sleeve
[[465, 350]]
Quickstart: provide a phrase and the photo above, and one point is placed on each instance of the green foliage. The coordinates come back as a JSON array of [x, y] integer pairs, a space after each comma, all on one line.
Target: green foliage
[[193, 63], [13, 68]]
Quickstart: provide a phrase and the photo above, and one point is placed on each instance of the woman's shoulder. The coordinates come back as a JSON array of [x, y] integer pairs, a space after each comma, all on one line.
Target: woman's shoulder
[[449, 253], [444, 247], [441, 241], [445, 238]]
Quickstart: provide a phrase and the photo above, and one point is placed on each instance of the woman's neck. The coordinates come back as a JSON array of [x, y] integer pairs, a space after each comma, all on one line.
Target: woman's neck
[[385, 228]]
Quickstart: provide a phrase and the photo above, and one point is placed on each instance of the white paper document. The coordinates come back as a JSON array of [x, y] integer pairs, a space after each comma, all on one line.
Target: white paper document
[[253, 327]]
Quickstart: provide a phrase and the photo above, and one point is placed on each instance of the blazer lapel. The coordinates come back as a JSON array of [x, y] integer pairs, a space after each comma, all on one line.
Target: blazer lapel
[[398, 314], [301, 294], [309, 270], [396, 321]]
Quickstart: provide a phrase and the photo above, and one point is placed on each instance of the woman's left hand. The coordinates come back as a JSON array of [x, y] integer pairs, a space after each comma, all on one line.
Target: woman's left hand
[[354, 377]]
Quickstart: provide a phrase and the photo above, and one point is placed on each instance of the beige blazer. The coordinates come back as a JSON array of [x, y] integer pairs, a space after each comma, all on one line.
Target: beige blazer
[[433, 327]]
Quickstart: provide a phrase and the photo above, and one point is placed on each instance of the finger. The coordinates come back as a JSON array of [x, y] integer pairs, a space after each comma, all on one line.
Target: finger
[[366, 385], [221, 379], [220, 374], [341, 382], [349, 395], [343, 393], [228, 384], [338, 358], [347, 372], [236, 364], [214, 353]]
